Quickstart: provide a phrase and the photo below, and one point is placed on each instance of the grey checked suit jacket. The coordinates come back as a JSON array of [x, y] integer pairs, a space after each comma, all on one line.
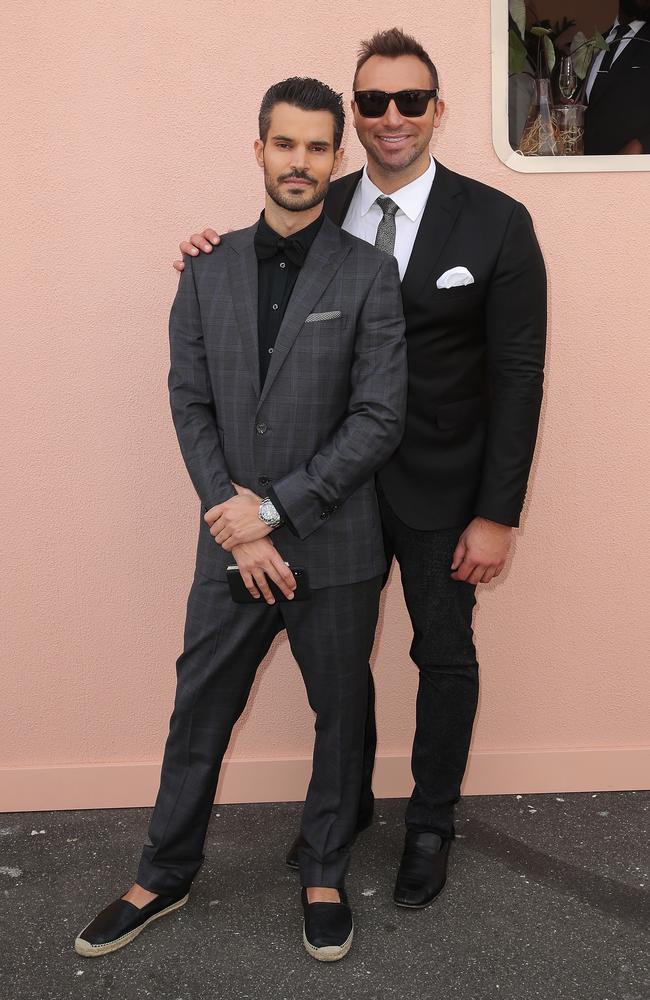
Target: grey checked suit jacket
[[331, 410]]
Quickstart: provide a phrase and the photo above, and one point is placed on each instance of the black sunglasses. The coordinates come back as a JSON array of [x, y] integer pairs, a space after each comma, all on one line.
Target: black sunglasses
[[410, 103]]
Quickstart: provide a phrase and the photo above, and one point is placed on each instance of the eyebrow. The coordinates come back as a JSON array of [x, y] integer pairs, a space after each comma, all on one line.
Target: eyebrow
[[312, 142]]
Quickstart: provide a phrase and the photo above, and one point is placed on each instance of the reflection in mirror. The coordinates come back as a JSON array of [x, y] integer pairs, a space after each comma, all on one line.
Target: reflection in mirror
[[578, 77]]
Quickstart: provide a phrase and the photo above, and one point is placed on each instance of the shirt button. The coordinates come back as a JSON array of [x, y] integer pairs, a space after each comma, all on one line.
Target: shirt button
[[275, 305], [282, 264], [261, 428], [270, 350]]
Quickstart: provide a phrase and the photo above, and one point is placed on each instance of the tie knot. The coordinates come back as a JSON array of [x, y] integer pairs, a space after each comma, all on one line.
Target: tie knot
[[621, 29], [387, 205]]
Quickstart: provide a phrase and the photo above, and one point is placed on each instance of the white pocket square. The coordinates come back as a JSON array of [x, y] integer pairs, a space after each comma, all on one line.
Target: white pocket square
[[317, 317], [454, 277]]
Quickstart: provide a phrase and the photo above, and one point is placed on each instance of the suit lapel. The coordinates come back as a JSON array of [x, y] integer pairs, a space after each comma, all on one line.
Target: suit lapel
[[327, 253], [440, 214], [630, 55], [340, 195], [242, 270]]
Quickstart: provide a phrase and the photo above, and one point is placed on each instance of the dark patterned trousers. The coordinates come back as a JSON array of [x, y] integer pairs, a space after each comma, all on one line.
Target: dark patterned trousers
[[443, 649], [331, 636]]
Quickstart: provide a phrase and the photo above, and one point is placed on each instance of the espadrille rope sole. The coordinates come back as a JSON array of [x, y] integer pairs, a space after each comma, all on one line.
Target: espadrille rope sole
[[330, 953], [89, 950]]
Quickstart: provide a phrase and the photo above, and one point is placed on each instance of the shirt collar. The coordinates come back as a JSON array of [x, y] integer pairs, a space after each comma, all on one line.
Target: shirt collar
[[633, 26], [410, 199], [304, 236]]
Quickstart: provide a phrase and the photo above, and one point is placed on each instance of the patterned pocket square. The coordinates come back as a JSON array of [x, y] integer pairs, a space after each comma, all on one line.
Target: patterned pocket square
[[317, 317], [454, 277]]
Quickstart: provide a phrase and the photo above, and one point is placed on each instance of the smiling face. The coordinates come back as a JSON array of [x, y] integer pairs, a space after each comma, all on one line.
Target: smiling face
[[298, 156], [397, 145]]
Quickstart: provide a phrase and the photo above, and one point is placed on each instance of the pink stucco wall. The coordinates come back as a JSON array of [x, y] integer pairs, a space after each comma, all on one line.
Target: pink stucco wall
[[130, 125]]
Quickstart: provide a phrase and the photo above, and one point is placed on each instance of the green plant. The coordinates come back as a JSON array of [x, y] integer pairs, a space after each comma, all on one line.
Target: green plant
[[536, 45]]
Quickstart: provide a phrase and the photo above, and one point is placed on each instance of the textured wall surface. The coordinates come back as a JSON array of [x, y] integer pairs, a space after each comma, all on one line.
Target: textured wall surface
[[131, 125]]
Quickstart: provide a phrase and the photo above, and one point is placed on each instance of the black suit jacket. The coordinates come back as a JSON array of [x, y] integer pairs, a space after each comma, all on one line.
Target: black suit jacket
[[475, 356], [619, 106]]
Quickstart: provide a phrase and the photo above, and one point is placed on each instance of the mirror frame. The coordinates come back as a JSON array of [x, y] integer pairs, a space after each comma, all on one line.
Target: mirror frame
[[502, 147]]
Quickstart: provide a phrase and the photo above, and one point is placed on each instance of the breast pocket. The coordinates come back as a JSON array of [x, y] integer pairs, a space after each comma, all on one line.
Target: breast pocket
[[457, 303], [324, 317], [323, 349]]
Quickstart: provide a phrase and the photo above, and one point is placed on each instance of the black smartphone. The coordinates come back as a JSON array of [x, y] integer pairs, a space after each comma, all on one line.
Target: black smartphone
[[241, 595]]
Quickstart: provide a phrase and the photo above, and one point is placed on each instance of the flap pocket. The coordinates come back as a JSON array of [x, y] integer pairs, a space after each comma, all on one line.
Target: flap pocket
[[460, 411]]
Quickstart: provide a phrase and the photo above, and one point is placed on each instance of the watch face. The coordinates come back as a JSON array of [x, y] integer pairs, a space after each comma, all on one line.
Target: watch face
[[268, 513]]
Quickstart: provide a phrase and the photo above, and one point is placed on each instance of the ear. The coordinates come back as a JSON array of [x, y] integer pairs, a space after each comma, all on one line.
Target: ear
[[338, 157], [439, 112], [258, 146]]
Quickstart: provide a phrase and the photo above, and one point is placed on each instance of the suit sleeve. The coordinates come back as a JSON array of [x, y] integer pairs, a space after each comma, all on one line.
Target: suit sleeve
[[374, 422], [191, 399], [516, 341]]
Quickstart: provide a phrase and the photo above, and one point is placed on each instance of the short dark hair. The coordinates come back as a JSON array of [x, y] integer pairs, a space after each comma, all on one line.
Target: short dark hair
[[391, 44], [308, 94]]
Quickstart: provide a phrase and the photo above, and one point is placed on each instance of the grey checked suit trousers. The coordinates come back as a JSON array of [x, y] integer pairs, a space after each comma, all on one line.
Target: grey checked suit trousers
[[331, 638]]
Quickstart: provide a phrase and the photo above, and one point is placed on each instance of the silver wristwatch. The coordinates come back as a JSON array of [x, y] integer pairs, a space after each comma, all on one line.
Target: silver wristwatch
[[269, 514]]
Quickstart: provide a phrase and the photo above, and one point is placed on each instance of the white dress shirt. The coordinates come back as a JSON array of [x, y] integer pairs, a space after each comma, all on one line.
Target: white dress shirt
[[364, 214], [634, 26]]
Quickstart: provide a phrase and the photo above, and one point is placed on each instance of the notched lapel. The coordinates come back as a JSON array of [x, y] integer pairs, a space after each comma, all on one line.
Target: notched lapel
[[438, 220], [629, 56], [242, 270], [327, 253]]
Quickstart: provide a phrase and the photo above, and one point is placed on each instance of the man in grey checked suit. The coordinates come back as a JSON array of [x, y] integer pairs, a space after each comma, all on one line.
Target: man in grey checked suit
[[282, 423]]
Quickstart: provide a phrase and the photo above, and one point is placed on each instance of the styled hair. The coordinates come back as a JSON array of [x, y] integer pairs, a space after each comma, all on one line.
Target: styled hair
[[307, 94], [391, 44]]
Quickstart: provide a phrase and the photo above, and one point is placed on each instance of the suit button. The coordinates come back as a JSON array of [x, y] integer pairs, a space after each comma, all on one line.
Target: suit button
[[261, 428], [323, 515], [264, 481]]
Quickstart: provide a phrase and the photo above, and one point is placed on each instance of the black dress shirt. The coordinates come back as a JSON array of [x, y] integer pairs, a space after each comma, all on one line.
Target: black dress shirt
[[277, 275], [277, 272]]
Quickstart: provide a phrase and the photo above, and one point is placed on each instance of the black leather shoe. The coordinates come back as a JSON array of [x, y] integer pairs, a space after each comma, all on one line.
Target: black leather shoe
[[328, 928], [121, 922], [363, 822], [423, 871]]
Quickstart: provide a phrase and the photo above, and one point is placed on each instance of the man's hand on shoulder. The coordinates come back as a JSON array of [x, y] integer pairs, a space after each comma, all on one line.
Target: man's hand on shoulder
[[481, 552], [197, 242]]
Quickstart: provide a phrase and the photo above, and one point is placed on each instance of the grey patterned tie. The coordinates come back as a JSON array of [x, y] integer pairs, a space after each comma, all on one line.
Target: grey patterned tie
[[385, 238]]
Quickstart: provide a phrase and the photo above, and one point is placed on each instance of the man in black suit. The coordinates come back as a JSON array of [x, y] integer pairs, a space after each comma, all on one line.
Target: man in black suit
[[618, 86], [474, 295]]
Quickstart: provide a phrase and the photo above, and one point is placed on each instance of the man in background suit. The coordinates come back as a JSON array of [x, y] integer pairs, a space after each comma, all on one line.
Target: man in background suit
[[618, 86], [288, 372], [474, 295]]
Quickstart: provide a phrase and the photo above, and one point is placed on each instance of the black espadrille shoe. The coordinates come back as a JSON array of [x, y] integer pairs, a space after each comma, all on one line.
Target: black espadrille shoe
[[328, 928], [120, 922]]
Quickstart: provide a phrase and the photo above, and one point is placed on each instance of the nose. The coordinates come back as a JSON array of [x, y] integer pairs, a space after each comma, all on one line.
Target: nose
[[300, 158], [392, 117]]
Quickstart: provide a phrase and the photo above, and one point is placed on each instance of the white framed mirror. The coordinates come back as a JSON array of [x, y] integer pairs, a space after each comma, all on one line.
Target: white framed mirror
[[571, 85]]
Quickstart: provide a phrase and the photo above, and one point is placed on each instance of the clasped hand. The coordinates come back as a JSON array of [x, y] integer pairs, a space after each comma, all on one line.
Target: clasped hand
[[237, 527], [237, 520]]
